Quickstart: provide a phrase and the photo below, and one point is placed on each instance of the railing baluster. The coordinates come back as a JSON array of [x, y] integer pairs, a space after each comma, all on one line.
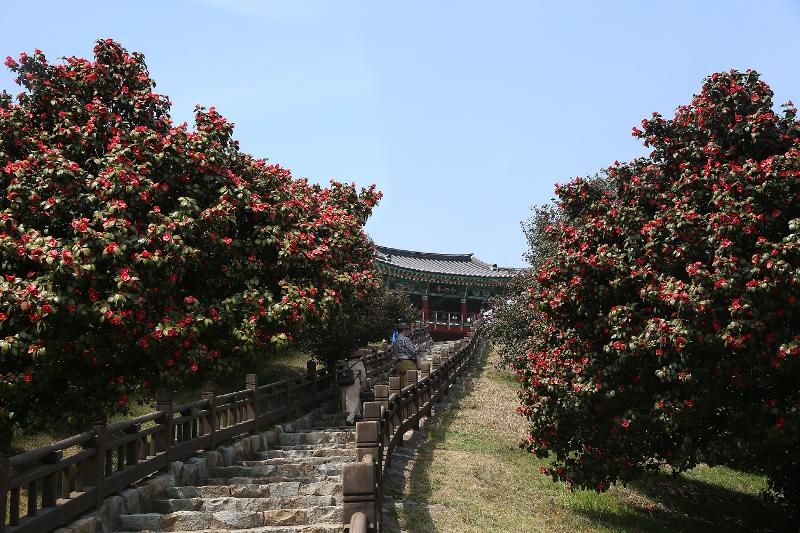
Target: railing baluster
[[33, 496], [14, 506]]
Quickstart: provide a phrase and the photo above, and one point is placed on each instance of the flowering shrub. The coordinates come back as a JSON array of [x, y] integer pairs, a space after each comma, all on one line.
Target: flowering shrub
[[368, 319], [670, 331], [136, 252]]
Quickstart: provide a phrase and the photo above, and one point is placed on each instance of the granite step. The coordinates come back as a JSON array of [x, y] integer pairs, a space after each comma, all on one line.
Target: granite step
[[268, 480], [316, 437], [310, 528], [230, 519], [332, 451], [307, 460], [286, 471], [285, 489], [217, 504]]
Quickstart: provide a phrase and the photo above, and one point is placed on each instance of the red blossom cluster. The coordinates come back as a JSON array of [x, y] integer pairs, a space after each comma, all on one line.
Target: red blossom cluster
[[666, 330], [136, 252]]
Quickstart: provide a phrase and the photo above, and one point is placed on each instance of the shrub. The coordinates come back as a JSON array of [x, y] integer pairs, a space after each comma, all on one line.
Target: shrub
[[369, 319], [512, 317], [138, 253], [670, 326]]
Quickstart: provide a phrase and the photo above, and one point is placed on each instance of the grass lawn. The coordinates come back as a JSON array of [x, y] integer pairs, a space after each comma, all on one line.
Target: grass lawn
[[286, 364], [471, 477]]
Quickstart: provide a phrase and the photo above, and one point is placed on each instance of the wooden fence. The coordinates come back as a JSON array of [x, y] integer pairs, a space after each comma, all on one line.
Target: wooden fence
[[386, 419], [50, 486]]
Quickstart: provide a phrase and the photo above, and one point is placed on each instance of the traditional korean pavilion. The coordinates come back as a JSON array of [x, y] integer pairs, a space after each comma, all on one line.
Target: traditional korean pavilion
[[449, 289]]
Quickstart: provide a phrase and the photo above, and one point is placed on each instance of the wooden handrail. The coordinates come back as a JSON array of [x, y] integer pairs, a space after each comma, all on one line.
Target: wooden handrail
[[393, 413], [67, 478]]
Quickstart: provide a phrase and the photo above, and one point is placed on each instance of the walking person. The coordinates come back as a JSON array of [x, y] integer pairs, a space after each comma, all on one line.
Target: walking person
[[406, 353], [352, 380]]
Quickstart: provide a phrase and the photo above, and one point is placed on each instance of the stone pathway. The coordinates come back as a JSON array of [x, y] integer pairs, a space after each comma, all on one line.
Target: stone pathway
[[294, 487]]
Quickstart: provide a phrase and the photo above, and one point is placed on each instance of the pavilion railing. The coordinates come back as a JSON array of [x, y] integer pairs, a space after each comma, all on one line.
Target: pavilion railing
[[450, 321], [49, 486], [386, 420]]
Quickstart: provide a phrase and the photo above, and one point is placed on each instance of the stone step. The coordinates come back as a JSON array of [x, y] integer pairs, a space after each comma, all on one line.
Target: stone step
[[316, 437], [273, 479], [285, 489], [286, 471], [230, 503], [349, 458], [303, 453], [230, 519], [339, 426], [311, 528], [321, 446]]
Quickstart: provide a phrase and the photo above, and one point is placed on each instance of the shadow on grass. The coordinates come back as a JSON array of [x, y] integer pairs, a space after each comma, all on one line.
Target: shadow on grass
[[659, 502], [689, 505], [416, 508]]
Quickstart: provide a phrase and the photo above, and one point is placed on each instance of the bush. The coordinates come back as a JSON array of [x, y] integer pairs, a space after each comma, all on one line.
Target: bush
[[670, 330], [369, 319], [137, 253], [512, 316]]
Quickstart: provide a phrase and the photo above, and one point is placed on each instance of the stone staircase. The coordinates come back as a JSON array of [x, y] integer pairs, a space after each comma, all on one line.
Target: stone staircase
[[296, 486]]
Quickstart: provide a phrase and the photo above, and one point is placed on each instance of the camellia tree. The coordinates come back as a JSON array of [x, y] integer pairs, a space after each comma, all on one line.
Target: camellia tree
[[138, 253], [368, 319], [669, 328]]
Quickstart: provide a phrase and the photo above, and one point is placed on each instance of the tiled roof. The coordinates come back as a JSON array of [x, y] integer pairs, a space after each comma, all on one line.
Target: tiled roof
[[452, 264]]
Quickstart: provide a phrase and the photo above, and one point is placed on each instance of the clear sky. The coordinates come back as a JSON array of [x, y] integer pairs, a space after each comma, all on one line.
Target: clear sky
[[465, 114]]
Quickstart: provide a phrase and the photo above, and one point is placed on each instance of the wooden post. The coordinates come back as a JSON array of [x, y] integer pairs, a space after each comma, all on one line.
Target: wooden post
[[99, 470], [394, 385], [5, 476], [424, 374], [382, 395], [251, 384], [162, 440], [412, 378], [360, 480], [209, 422], [358, 493], [51, 482], [311, 371], [132, 448]]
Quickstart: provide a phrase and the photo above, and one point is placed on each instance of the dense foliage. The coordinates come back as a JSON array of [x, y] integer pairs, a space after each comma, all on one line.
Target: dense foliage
[[668, 317], [368, 319], [136, 252], [511, 320]]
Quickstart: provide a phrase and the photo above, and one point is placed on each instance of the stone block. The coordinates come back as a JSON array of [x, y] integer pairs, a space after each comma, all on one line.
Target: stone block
[[130, 501], [141, 522]]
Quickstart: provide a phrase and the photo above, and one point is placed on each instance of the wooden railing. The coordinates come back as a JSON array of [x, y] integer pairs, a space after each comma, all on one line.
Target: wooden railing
[[444, 321], [391, 415], [49, 486]]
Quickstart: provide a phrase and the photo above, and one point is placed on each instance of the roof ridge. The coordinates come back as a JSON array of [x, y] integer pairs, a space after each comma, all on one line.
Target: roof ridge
[[424, 255], [452, 264]]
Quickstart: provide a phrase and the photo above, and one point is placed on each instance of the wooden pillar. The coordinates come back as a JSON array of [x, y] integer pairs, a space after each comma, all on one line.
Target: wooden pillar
[[209, 422], [359, 480], [426, 311], [251, 407], [162, 440], [412, 378]]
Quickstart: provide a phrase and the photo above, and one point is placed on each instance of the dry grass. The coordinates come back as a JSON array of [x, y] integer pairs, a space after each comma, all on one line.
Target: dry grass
[[472, 477]]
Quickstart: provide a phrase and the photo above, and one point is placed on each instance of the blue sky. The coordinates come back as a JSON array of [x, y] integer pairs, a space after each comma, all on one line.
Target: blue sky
[[465, 114]]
